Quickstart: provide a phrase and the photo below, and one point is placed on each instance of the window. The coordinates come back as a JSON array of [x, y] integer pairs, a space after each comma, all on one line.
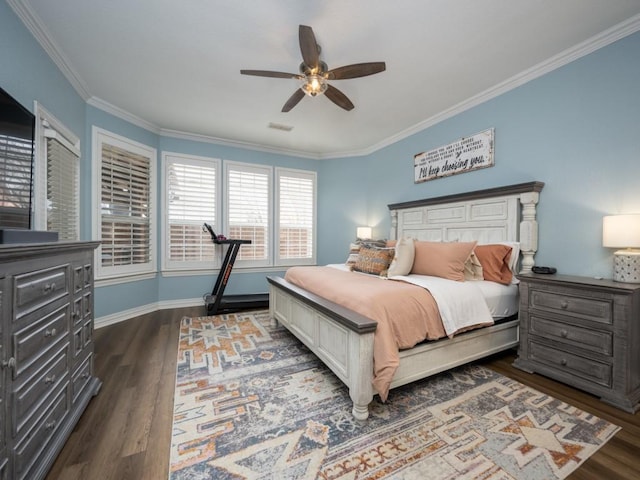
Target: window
[[124, 205], [296, 200], [248, 210], [15, 174], [191, 190], [57, 178], [275, 208]]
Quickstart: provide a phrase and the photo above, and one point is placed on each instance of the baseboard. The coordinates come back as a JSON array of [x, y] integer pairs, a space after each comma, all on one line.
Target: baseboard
[[144, 309]]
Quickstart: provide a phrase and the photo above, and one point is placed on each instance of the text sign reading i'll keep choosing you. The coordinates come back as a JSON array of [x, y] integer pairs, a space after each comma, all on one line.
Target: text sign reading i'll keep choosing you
[[464, 155]]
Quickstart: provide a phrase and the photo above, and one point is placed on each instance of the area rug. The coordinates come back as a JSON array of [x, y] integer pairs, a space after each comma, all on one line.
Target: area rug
[[252, 402]]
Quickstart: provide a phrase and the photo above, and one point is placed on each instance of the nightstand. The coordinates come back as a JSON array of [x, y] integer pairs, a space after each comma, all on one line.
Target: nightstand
[[583, 332]]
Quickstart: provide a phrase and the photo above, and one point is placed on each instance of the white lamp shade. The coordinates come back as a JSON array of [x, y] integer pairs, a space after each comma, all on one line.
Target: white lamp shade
[[363, 232], [621, 231]]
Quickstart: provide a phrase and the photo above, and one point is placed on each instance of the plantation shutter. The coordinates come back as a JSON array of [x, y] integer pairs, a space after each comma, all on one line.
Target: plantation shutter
[[63, 186], [296, 215], [248, 192], [15, 173], [191, 198], [125, 207]]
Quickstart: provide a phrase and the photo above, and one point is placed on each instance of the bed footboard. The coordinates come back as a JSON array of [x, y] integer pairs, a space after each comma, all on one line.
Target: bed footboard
[[342, 339]]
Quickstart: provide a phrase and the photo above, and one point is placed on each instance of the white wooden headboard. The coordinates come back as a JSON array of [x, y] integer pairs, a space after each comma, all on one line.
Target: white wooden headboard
[[487, 216]]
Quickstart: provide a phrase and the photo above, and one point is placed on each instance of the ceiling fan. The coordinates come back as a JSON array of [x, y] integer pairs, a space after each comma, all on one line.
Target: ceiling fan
[[314, 73]]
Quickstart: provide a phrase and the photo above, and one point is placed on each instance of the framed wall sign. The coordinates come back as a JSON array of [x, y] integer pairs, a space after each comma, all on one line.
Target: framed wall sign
[[463, 155]]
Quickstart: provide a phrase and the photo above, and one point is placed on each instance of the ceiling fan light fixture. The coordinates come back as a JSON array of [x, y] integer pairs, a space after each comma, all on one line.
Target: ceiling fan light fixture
[[314, 73], [314, 85]]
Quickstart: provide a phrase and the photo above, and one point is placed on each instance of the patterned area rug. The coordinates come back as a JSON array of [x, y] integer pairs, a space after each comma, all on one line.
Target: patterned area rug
[[252, 402]]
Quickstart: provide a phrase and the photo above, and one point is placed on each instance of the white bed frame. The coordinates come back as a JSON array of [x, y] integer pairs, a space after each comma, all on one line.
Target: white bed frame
[[343, 339]]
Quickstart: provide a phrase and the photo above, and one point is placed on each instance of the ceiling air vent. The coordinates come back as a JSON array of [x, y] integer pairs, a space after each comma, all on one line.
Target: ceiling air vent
[[279, 126]]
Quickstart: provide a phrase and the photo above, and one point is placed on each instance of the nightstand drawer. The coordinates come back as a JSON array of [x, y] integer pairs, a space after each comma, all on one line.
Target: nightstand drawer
[[597, 310], [597, 341], [570, 364]]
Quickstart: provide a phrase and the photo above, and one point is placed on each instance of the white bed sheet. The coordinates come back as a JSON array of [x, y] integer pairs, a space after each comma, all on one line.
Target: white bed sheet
[[502, 300]]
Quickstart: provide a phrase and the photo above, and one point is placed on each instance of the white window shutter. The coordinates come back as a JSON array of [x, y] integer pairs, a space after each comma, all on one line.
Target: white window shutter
[[125, 207], [191, 200], [63, 187], [296, 192], [248, 210]]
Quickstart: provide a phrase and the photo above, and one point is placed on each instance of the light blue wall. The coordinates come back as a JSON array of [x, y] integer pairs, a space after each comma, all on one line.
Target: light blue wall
[[577, 129], [27, 73]]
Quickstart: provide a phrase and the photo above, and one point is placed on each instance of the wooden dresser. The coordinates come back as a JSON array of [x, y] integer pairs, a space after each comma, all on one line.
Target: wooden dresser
[[46, 351], [583, 332]]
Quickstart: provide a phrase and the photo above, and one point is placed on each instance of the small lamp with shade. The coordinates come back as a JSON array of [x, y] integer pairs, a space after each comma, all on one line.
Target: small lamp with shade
[[623, 231], [363, 233]]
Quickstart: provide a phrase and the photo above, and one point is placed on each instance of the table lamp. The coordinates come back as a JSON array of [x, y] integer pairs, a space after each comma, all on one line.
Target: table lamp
[[623, 231], [363, 233]]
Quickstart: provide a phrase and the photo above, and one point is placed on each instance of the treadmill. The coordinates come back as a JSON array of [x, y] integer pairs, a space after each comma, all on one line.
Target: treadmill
[[217, 302]]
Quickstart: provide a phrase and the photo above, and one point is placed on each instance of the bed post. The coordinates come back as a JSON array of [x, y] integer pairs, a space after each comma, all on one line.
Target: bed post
[[361, 373], [393, 234], [528, 230]]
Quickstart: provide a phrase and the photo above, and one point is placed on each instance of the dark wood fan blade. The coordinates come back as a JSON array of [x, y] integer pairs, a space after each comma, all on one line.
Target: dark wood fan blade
[[339, 98], [293, 100], [308, 47], [268, 73], [356, 70]]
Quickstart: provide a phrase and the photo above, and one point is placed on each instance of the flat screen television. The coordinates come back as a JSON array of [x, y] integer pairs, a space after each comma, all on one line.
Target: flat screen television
[[17, 129]]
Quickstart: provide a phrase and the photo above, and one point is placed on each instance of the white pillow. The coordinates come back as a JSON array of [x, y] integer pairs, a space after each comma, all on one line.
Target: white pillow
[[403, 258]]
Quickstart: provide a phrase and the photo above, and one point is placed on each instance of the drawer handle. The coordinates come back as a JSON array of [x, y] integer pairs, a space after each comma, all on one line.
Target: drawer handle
[[76, 314], [50, 333], [50, 380], [85, 375], [564, 304], [49, 287], [50, 425], [564, 333], [11, 363], [563, 362]]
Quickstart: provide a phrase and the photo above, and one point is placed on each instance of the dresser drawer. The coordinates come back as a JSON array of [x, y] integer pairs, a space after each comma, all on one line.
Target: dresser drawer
[[88, 275], [35, 339], [87, 303], [36, 289], [36, 389], [77, 311], [597, 341], [78, 278], [597, 310], [81, 378], [569, 364], [32, 445], [4, 469]]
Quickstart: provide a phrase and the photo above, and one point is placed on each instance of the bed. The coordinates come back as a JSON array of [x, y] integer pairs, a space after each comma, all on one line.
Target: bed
[[344, 339]]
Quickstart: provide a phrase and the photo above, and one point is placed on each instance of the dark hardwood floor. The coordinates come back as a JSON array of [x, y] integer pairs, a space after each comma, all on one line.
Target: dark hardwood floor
[[125, 432]]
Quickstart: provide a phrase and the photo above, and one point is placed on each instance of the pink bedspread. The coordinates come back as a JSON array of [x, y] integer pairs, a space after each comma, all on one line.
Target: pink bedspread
[[406, 314]]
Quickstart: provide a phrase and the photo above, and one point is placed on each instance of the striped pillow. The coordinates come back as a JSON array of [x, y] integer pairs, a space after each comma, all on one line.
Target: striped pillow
[[374, 260]]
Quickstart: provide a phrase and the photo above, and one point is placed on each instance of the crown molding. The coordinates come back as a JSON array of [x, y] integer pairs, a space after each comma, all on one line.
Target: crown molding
[[38, 30], [238, 144], [123, 114], [41, 34], [597, 42]]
